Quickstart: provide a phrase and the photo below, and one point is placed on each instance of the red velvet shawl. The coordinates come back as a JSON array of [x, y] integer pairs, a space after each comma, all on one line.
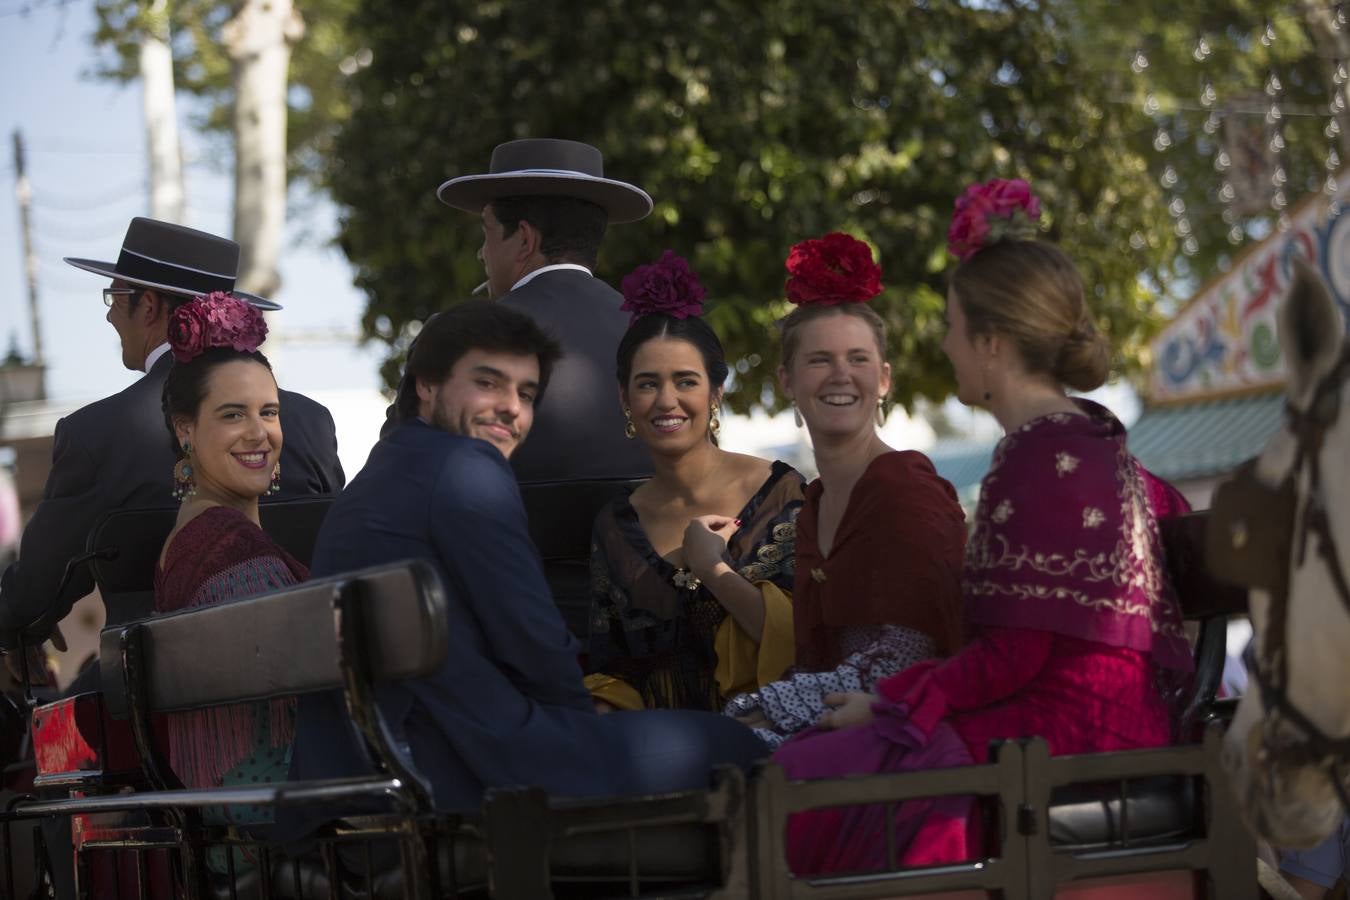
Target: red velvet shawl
[[217, 557], [1065, 540], [896, 560]]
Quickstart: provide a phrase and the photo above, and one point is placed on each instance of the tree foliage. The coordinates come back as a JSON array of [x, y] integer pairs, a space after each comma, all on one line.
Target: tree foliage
[[752, 128]]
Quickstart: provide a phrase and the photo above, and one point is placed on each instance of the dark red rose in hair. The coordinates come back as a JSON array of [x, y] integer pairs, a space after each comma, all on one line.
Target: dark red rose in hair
[[666, 286], [831, 270], [187, 332], [216, 320]]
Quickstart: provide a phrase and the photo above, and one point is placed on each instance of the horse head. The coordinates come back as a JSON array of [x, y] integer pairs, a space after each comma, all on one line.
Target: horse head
[[1292, 548]]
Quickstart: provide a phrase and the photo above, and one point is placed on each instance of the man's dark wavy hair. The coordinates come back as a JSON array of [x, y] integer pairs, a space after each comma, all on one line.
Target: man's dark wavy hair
[[571, 230], [473, 325]]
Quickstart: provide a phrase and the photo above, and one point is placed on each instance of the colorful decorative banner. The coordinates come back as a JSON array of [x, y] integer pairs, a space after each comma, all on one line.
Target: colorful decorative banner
[[1224, 339]]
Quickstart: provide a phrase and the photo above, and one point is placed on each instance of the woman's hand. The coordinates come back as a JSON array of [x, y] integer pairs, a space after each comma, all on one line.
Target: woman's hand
[[705, 542], [847, 710]]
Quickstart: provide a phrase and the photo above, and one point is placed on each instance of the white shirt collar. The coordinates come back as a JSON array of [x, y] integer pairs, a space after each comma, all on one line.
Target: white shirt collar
[[154, 356], [530, 276]]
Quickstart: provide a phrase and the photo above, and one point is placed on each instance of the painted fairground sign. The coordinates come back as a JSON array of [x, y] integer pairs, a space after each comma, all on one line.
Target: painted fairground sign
[[1224, 339]]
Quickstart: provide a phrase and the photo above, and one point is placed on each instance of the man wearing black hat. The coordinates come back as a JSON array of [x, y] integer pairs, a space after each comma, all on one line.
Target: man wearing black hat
[[545, 206], [116, 453]]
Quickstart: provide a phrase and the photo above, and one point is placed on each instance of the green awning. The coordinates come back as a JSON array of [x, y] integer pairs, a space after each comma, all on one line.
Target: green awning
[[1205, 438], [1201, 439]]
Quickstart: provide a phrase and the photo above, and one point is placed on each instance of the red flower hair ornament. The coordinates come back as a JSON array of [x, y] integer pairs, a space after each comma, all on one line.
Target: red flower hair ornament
[[216, 320], [831, 270], [999, 209], [667, 286]]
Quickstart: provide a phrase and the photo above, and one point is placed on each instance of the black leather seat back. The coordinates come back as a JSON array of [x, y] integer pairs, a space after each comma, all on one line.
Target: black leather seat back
[[561, 516], [129, 542], [285, 642]]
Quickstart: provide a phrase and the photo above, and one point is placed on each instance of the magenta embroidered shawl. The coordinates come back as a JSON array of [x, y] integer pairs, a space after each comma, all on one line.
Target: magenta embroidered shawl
[[1065, 540]]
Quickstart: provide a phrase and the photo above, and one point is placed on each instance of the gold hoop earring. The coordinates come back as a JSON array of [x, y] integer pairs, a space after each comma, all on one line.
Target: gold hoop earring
[[714, 423], [881, 411], [629, 429]]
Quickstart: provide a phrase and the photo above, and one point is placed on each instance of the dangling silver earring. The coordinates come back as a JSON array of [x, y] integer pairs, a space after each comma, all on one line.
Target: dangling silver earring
[[881, 411], [797, 414]]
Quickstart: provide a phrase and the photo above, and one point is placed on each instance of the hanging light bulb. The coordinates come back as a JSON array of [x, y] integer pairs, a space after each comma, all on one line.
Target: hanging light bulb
[[1151, 104], [1227, 193], [1139, 63], [1333, 160], [1277, 143], [1273, 85], [1169, 177], [1222, 161], [1183, 226], [1273, 114], [1208, 95], [1212, 122], [1278, 200], [1162, 140], [1229, 216], [1191, 246], [1235, 235], [1202, 49], [1177, 206], [1330, 187], [1268, 36], [1338, 77], [1333, 128]]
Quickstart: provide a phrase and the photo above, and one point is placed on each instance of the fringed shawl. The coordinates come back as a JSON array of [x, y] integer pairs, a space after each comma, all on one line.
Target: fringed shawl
[[896, 560], [1065, 540], [654, 632], [218, 557]]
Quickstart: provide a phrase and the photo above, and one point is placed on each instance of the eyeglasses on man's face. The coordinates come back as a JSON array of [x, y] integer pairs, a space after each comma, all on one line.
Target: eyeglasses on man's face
[[110, 295]]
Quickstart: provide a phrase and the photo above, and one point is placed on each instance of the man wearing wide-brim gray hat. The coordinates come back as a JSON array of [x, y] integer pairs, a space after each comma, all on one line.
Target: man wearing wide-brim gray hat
[[545, 204], [117, 453]]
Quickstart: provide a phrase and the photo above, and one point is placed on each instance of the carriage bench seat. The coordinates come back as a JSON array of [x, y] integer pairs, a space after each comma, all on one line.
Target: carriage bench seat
[[1085, 817]]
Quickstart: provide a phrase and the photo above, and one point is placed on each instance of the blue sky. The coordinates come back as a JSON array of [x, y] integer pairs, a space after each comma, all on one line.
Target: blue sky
[[87, 167]]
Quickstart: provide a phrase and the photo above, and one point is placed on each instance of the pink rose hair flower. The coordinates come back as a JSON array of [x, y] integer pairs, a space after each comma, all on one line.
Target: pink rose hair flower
[[216, 320], [999, 209], [667, 286], [831, 270]]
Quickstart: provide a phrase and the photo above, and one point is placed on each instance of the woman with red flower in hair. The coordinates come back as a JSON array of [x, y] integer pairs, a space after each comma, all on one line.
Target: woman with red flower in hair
[[223, 412], [880, 537], [1075, 634], [691, 575]]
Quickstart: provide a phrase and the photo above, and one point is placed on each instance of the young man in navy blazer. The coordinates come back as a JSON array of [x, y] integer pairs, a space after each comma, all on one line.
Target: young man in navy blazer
[[508, 705]]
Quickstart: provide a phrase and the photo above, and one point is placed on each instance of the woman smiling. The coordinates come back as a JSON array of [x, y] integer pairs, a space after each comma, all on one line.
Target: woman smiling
[[222, 408], [880, 537], [690, 574]]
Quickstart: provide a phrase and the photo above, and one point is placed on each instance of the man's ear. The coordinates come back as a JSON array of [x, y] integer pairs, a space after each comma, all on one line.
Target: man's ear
[[529, 239], [153, 307]]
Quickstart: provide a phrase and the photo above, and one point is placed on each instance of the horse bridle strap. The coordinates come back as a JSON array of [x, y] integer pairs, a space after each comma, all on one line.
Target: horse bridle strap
[[1271, 670]]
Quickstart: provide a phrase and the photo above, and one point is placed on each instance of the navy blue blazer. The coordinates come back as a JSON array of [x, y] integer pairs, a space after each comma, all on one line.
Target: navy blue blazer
[[508, 706], [115, 454]]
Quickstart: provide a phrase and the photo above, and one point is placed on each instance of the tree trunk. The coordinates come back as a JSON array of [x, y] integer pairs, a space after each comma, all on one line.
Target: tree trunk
[[258, 40], [161, 119]]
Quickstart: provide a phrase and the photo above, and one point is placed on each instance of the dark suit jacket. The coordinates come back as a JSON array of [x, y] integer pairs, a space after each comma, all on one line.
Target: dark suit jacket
[[578, 429], [508, 706], [116, 453]]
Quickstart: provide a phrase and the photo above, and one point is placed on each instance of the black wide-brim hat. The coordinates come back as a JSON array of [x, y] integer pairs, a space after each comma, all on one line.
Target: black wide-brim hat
[[166, 257], [547, 167]]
